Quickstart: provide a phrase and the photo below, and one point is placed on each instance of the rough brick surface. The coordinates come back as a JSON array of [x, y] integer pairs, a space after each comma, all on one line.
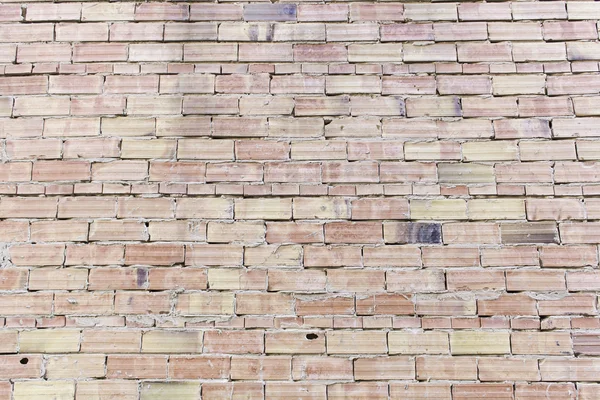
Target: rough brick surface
[[299, 200]]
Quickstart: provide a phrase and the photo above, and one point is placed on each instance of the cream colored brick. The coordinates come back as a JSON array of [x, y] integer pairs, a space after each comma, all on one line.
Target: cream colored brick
[[378, 52], [438, 209], [440, 150], [75, 366], [44, 390], [49, 341], [505, 85], [246, 232], [465, 173], [479, 342], [170, 390], [490, 151], [158, 148], [205, 303], [271, 209], [496, 209], [409, 342], [356, 342], [101, 389], [236, 279], [159, 341], [321, 208]]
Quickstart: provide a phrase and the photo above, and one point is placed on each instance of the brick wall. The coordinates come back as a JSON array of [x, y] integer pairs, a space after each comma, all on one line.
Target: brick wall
[[304, 200]]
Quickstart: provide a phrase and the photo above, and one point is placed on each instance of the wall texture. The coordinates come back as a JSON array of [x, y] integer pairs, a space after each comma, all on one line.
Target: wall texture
[[340, 200]]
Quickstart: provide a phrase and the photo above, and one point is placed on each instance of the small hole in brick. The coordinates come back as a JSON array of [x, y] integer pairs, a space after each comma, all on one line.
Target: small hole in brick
[[24, 360], [311, 336]]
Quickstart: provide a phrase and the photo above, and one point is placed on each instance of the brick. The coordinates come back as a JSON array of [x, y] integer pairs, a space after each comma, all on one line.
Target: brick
[[159, 390], [551, 343], [120, 170], [500, 369], [438, 209], [499, 31], [355, 32], [90, 32], [449, 32], [106, 12], [213, 254], [479, 342], [568, 369], [273, 255], [158, 341], [364, 342], [376, 368], [50, 341], [41, 389], [26, 33], [205, 303], [234, 342], [101, 340], [158, 11], [406, 32], [540, 11], [24, 85], [447, 106], [428, 342], [99, 52], [285, 342], [428, 53], [136, 366], [271, 209], [194, 367], [77, 365], [311, 280], [484, 52], [484, 12], [430, 12], [543, 52], [210, 52], [338, 84], [139, 31], [318, 256], [446, 368], [321, 368], [37, 254], [123, 230]]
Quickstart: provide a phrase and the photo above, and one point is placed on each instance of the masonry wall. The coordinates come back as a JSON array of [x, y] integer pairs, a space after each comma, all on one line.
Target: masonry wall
[[340, 200]]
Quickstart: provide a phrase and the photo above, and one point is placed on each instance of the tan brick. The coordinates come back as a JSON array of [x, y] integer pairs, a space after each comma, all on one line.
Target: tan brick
[[428, 342], [44, 389], [438, 209], [210, 303], [110, 341], [63, 278], [75, 366], [271, 209], [166, 390], [158, 341], [479, 342], [364, 342], [50, 341]]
